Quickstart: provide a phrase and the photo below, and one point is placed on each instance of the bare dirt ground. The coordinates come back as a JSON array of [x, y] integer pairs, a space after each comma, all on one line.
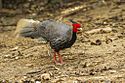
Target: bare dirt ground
[[25, 60]]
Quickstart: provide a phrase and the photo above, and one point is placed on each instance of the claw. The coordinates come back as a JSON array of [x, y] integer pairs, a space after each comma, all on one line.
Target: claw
[[60, 58]]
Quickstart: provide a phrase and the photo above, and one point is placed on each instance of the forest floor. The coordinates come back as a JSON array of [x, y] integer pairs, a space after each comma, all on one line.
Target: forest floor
[[25, 60]]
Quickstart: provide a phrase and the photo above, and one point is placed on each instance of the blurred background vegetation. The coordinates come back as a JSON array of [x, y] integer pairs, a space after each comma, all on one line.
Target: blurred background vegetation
[[40, 6], [39, 9]]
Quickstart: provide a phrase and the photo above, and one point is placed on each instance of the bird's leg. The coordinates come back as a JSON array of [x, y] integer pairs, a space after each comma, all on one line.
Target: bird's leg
[[60, 58], [54, 58]]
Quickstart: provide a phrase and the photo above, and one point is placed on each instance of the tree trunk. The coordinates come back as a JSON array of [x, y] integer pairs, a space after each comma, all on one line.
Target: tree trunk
[[0, 4]]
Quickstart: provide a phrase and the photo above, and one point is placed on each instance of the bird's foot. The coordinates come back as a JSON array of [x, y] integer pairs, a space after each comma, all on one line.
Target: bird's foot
[[61, 62], [55, 61], [58, 62]]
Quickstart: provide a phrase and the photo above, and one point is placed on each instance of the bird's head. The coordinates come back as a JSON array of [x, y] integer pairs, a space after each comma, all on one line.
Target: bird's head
[[76, 26]]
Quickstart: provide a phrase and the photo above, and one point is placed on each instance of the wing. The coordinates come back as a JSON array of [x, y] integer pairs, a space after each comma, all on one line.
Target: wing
[[55, 32], [58, 43]]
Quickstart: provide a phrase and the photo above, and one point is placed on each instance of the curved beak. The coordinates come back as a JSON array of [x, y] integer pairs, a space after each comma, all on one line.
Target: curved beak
[[80, 29]]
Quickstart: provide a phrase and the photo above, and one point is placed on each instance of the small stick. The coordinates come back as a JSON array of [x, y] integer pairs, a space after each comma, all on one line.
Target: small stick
[[105, 30]]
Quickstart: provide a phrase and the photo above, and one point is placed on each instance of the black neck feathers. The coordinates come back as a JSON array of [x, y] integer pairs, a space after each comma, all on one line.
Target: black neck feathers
[[72, 41]]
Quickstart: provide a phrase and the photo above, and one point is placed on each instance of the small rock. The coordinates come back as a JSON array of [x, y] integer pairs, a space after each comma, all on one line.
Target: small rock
[[45, 76], [112, 71], [16, 58], [92, 73], [37, 81], [7, 56], [97, 42], [75, 81], [15, 48], [108, 40], [24, 77], [104, 22], [19, 53], [29, 65]]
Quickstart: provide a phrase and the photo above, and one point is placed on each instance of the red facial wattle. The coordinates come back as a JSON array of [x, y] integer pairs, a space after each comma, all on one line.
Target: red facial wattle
[[75, 27]]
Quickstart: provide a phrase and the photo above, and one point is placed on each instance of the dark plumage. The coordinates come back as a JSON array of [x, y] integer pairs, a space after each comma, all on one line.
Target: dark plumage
[[29, 32], [59, 35], [56, 33]]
